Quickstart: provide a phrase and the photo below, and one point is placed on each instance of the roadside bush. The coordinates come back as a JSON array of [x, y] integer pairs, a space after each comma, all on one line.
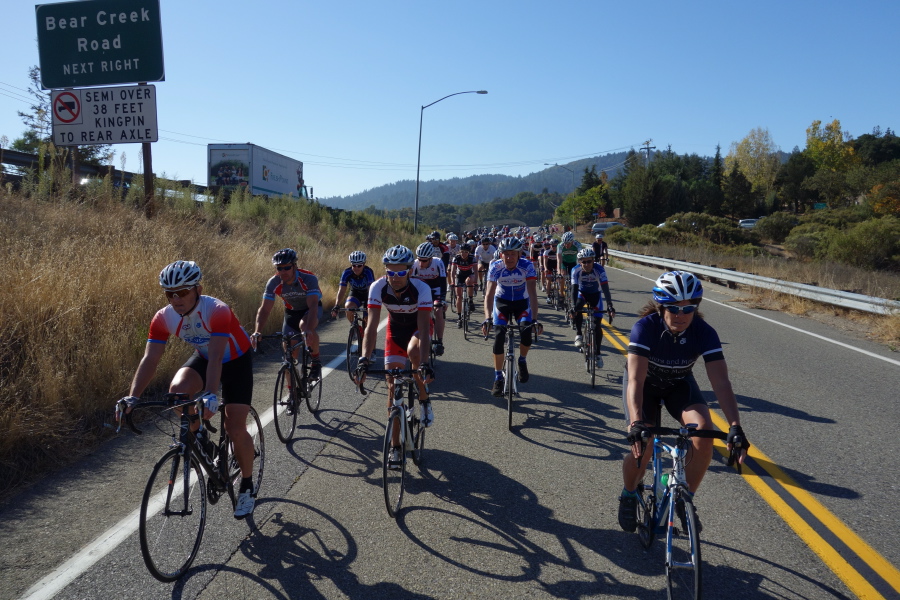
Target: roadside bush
[[873, 244], [810, 240], [776, 227], [840, 218]]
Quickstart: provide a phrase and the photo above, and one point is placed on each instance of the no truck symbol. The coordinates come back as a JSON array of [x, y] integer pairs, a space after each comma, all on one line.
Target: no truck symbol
[[67, 107]]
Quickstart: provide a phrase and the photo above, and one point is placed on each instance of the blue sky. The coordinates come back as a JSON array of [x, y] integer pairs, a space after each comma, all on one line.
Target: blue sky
[[339, 85]]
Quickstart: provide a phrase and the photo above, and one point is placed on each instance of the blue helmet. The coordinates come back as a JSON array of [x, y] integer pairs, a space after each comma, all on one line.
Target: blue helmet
[[676, 286]]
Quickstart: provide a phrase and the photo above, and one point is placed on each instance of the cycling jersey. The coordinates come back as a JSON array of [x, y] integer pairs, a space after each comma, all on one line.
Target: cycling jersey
[[569, 256], [453, 251], [434, 275], [359, 285], [465, 267], [672, 357], [588, 282], [210, 318], [600, 249], [550, 256], [485, 255], [511, 283], [403, 308], [294, 294]]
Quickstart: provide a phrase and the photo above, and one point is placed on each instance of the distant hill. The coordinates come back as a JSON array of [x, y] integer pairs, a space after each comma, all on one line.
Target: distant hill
[[476, 189]]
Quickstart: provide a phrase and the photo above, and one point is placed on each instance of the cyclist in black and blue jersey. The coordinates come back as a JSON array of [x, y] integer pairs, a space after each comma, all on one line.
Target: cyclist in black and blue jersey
[[354, 285], [665, 343], [510, 295], [588, 279]]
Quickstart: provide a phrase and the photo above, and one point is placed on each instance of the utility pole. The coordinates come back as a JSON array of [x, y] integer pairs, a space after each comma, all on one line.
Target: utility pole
[[647, 148]]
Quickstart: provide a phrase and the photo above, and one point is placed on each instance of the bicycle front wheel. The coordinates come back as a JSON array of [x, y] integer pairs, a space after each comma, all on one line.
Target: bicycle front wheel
[[314, 395], [286, 404], [173, 516], [392, 474], [354, 350], [510, 389], [683, 566], [416, 430], [255, 429]]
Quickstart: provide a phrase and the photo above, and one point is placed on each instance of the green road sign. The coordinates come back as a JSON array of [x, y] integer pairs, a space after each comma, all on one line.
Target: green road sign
[[99, 42]]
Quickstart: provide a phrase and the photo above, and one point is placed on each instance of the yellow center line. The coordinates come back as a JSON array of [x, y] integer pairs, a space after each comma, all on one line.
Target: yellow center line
[[827, 553]]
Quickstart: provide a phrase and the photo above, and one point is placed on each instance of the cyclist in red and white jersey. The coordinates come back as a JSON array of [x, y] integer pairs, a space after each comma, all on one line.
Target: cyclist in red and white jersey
[[221, 357]]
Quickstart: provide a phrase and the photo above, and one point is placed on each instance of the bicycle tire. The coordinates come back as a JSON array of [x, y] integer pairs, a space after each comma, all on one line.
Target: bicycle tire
[[255, 429], [170, 542], [416, 431], [465, 319], [683, 564], [314, 395], [591, 356], [646, 509], [354, 349], [286, 405], [510, 384], [391, 479]]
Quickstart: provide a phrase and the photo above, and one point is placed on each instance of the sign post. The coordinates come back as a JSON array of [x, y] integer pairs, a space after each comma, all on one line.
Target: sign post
[[99, 42]]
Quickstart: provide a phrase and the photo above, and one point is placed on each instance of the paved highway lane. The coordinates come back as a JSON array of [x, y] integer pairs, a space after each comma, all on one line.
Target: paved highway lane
[[528, 513]]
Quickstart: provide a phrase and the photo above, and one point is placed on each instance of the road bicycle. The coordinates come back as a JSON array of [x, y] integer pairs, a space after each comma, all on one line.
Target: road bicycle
[[404, 424], [355, 339], [466, 314], [510, 364], [664, 495], [589, 348], [292, 385], [432, 355], [193, 472]]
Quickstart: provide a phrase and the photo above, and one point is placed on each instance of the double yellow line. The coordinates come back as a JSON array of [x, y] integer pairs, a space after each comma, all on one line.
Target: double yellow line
[[831, 556]]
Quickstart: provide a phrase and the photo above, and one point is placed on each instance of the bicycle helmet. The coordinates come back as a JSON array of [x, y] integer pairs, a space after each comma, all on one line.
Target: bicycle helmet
[[676, 286], [180, 274], [398, 255], [285, 256], [510, 243], [486, 240], [357, 257], [425, 250], [568, 237], [452, 238], [599, 236], [586, 253]]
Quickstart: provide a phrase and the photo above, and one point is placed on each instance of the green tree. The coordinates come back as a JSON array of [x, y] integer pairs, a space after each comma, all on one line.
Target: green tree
[[739, 198], [790, 182], [757, 157], [829, 147]]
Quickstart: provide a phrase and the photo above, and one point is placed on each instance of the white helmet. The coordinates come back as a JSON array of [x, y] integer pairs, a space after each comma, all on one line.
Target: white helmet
[[180, 274], [357, 257], [586, 253], [676, 286], [425, 250], [568, 237], [398, 255]]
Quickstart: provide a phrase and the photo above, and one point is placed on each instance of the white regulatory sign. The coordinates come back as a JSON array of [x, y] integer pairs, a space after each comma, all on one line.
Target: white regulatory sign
[[112, 115]]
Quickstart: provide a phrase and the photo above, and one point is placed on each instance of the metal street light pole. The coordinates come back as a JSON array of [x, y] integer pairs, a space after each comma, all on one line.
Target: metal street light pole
[[419, 159], [573, 189]]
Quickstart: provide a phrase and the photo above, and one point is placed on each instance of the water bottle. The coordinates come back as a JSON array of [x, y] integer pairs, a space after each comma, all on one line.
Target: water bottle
[[661, 480], [398, 395]]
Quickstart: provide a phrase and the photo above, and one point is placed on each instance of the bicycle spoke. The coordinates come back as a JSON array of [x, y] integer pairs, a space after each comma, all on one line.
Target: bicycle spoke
[[172, 517], [683, 565], [314, 395], [392, 475], [354, 349]]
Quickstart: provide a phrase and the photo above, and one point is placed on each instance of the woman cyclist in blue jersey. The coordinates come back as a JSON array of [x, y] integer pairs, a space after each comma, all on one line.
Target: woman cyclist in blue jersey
[[664, 345], [354, 285]]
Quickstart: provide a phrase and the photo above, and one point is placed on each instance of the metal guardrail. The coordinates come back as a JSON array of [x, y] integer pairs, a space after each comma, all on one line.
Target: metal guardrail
[[870, 304]]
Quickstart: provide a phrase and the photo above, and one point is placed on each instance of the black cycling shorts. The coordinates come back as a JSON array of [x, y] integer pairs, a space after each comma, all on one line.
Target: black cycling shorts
[[237, 377], [677, 397]]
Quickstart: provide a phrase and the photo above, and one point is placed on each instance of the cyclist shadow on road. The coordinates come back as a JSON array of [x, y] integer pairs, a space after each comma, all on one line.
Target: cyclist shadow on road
[[504, 534], [300, 552]]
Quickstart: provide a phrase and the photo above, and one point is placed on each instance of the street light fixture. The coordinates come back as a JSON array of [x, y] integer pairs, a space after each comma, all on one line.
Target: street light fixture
[[573, 188], [419, 159]]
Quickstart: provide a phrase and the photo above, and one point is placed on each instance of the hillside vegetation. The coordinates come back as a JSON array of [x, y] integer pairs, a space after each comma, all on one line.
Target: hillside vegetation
[[80, 287]]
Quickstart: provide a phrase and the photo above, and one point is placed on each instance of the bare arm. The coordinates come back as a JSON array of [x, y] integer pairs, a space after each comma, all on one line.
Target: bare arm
[[717, 371], [147, 368], [637, 375], [262, 315]]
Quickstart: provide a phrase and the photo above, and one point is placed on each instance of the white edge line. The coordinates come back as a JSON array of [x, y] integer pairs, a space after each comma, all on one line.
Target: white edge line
[[52, 583]]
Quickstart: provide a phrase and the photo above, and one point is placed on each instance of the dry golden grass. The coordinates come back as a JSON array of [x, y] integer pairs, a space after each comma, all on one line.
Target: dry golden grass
[[79, 287]]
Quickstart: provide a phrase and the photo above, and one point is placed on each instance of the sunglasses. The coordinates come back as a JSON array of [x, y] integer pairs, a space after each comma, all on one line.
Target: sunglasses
[[284, 267], [588, 262], [424, 258], [675, 309], [182, 293], [359, 265], [390, 273]]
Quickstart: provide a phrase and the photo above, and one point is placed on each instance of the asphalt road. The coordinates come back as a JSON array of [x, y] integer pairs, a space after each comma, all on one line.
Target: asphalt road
[[529, 513]]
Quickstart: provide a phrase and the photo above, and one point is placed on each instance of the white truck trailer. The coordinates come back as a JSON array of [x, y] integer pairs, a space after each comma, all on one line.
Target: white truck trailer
[[261, 171]]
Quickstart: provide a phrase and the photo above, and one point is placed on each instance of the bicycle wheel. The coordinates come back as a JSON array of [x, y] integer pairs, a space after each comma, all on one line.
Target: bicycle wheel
[[286, 404], [416, 431], [173, 516], [354, 349], [314, 395], [590, 355], [510, 383], [392, 475], [465, 319], [646, 510], [255, 429], [683, 566]]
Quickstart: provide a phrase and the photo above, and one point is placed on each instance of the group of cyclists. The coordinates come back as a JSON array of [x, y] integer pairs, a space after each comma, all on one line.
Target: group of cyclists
[[665, 342]]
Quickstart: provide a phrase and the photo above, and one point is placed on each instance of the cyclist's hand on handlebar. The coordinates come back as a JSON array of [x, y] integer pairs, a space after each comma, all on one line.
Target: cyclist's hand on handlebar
[[362, 367], [125, 406], [637, 437], [738, 445], [427, 373], [210, 405], [254, 339], [486, 327], [334, 313]]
